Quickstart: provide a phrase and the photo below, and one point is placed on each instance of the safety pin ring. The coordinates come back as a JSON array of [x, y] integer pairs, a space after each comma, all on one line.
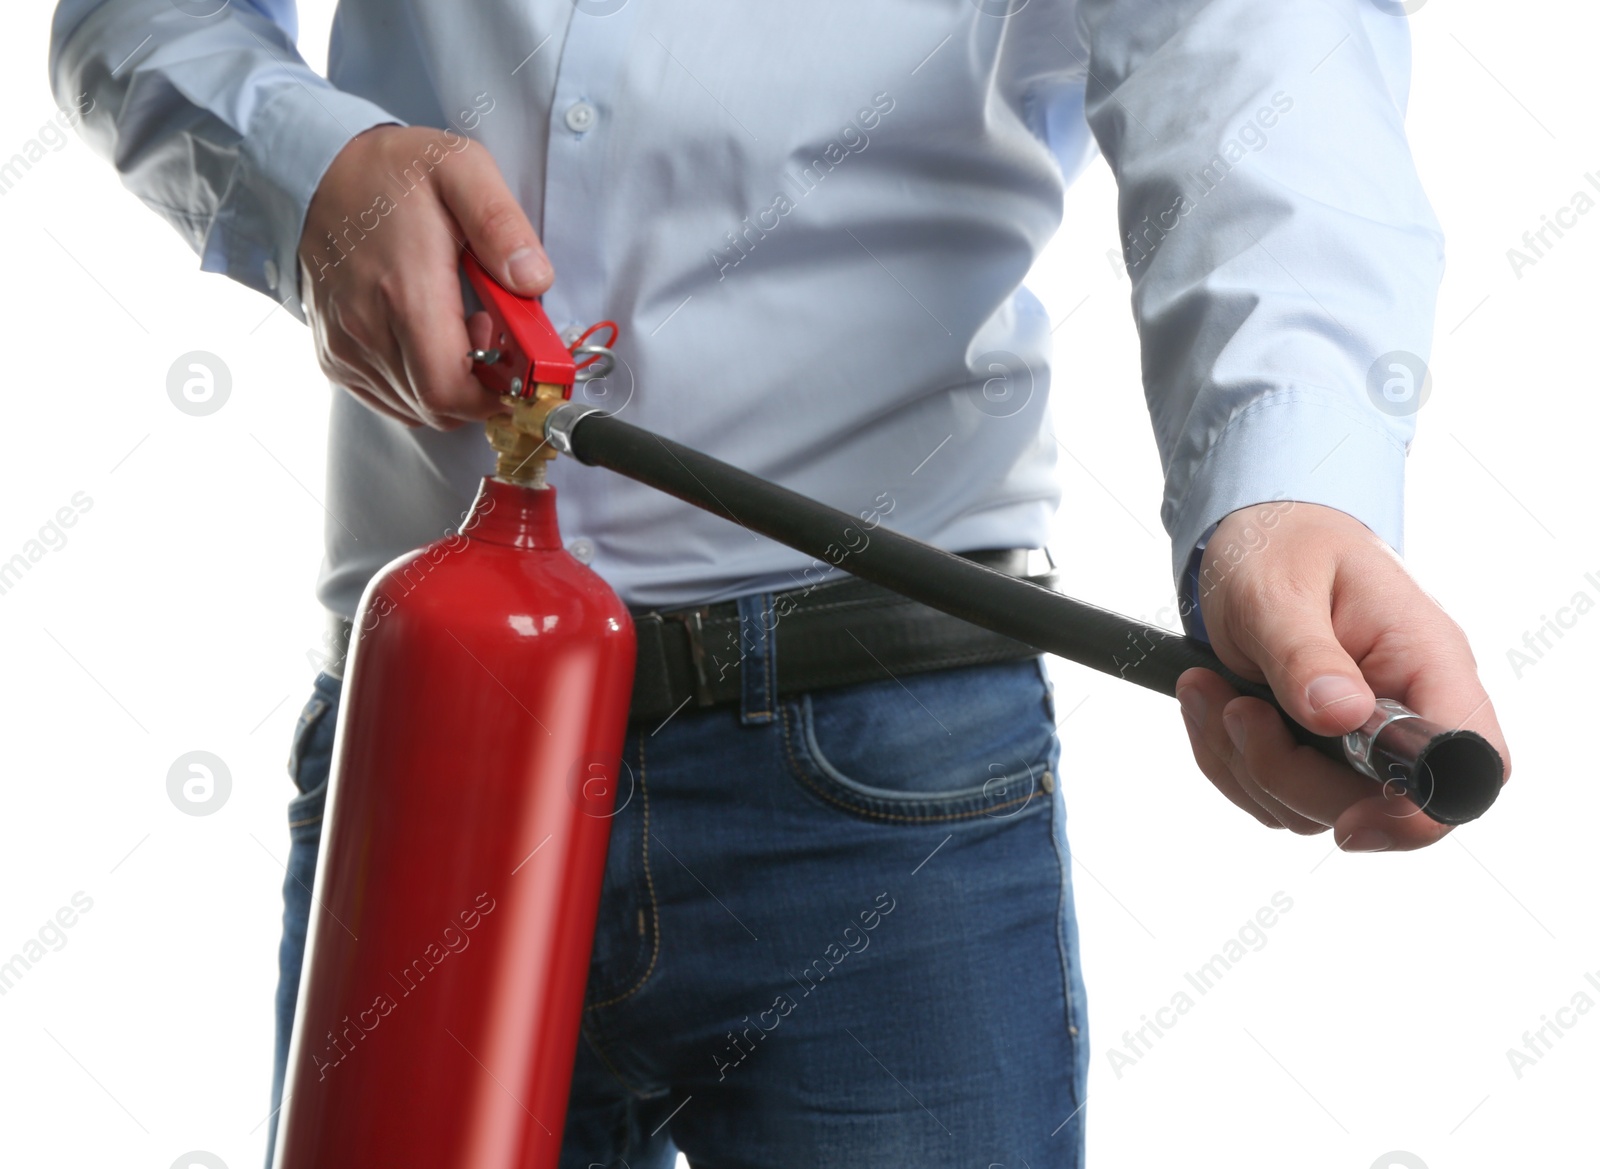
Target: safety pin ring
[[600, 362]]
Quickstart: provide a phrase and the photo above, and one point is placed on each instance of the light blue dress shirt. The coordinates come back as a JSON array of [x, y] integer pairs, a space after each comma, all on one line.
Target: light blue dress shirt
[[812, 222]]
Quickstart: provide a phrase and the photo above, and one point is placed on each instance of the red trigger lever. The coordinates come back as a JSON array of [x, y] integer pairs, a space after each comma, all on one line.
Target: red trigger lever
[[524, 348]]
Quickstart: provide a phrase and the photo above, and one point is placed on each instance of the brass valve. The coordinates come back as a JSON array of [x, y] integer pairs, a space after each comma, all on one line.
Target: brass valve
[[518, 437]]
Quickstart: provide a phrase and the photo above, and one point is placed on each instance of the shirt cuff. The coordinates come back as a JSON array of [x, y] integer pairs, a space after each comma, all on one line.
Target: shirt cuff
[[1189, 592], [1297, 444], [292, 140]]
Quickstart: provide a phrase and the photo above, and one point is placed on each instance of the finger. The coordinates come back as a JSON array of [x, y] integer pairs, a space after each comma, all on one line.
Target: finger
[[360, 338], [427, 319], [433, 343], [353, 373], [368, 386], [1446, 688], [1425, 661], [372, 401], [1203, 694], [408, 329], [498, 232], [1213, 768], [386, 378], [480, 328], [373, 393], [1289, 634], [1298, 777], [1443, 687], [427, 323], [1386, 822]]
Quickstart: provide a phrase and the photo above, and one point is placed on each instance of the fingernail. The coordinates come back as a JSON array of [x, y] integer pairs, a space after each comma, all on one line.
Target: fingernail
[[1235, 728], [1367, 840], [1329, 690], [1194, 705], [527, 267]]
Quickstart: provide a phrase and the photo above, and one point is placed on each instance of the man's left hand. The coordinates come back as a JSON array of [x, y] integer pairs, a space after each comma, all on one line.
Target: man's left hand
[[1308, 599]]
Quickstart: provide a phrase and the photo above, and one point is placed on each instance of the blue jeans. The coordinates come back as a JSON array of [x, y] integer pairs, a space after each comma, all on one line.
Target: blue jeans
[[836, 929]]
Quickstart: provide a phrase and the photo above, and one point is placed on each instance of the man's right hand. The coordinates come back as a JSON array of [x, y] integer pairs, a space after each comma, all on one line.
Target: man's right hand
[[383, 296]]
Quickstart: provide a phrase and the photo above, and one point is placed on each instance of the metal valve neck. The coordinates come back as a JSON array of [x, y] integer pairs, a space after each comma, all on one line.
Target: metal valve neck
[[518, 437]]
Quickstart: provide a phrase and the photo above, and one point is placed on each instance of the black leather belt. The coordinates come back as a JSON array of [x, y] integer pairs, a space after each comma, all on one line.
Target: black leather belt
[[845, 631]]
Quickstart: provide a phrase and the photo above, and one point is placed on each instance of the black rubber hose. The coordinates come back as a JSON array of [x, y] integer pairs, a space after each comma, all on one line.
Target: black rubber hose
[[1453, 775]]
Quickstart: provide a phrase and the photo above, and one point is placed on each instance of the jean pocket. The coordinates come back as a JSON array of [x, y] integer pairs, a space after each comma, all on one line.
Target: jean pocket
[[963, 743], [311, 756]]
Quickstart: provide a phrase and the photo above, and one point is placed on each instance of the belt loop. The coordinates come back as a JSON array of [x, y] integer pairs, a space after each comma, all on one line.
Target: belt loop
[[758, 653], [693, 622]]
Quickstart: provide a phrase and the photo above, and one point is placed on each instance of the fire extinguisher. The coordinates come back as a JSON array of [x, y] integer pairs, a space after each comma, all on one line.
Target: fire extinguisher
[[477, 758], [475, 772]]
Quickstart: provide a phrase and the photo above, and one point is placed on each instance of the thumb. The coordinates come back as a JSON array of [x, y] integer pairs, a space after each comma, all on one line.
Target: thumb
[[1313, 678], [498, 232]]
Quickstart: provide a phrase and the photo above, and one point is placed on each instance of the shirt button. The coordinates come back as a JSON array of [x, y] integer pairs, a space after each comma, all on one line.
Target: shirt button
[[580, 116], [270, 271], [581, 550]]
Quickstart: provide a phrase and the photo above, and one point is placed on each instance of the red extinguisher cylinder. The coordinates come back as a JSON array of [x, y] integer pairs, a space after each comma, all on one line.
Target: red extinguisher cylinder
[[475, 772]]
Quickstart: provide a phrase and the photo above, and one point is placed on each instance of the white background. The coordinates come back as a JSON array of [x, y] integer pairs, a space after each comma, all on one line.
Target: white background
[[178, 616]]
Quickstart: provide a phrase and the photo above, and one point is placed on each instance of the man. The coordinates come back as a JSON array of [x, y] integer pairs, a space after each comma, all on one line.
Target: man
[[812, 223]]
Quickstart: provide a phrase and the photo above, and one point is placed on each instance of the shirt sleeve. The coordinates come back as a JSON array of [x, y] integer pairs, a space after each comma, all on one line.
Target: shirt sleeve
[[1280, 248], [214, 121]]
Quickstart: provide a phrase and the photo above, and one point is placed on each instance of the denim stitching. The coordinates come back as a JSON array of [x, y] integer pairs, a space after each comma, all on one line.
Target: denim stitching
[[596, 1045], [306, 729], [650, 886], [1063, 870], [805, 780]]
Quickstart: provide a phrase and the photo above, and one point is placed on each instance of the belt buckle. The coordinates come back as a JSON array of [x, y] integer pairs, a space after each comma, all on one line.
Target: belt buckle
[[693, 622]]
